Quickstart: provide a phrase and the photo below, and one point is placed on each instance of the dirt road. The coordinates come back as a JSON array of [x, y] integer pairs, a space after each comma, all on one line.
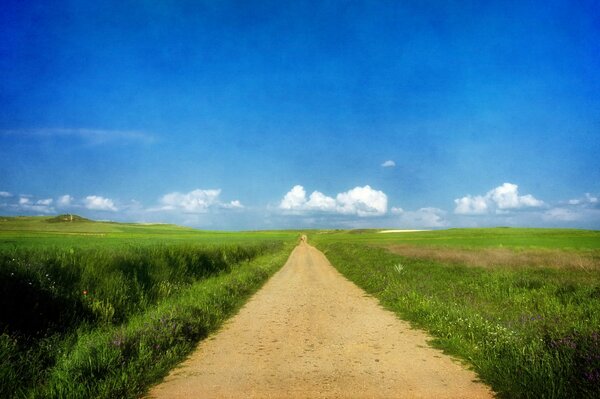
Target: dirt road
[[310, 333]]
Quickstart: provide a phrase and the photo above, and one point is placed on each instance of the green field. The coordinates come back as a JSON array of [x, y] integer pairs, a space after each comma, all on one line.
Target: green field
[[520, 306], [515, 238], [101, 309], [27, 231]]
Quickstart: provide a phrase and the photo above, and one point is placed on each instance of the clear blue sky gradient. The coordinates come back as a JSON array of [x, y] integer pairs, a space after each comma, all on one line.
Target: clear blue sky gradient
[[255, 97]]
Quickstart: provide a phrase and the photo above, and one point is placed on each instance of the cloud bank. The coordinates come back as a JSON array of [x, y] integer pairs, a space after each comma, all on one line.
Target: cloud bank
[[196, 201], [64, 201], [574, 210], [354, 208], [27, 204], [97, 203], [500, 199], [360, 201], [424, 217]]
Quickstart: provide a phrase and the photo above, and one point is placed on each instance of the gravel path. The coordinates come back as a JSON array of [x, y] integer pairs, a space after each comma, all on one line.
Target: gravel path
[[310, 333]]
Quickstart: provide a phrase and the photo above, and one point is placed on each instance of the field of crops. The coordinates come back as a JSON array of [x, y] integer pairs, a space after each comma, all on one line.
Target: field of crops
[[99, 309], [521, 306]]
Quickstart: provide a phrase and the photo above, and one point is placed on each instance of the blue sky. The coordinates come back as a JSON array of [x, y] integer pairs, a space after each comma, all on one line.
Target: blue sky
[[211, 114]]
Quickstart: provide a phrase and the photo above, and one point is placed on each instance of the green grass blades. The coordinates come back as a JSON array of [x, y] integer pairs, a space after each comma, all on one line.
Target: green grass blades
[[50, 289], [527, 331], [107, 342], [121, 361], [99, 309]]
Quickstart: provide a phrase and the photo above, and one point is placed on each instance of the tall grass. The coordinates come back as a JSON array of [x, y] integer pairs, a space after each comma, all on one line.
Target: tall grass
[[106, 322], [528, 332], [47, 289]]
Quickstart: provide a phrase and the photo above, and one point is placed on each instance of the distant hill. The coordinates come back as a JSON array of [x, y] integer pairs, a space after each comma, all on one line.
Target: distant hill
[[67, 218], [71, 223]]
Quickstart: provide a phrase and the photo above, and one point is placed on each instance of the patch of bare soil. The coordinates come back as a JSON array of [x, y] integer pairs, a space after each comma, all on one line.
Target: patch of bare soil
[[310, 333], [490, 257]]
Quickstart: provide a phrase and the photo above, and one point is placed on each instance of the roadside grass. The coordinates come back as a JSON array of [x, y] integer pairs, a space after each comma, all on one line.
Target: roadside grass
[[110, 343], [104, 316], [528, 331], [43, 290], [122, 361]]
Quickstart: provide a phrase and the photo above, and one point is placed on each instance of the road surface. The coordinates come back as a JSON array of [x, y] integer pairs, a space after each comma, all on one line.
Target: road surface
[[310, 333]]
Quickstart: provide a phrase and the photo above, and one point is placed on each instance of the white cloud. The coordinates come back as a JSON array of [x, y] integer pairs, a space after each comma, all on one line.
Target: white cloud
[[5, 194], [588, 199], [471, 205], [321, 202], [424, 217], [501, 199], [26, 204], [388, 164], [232, 205], [561, 215], [582, 210], [360, 201], [196, 201], [294, 199], [397, 211], [64, 200], [97, 203], [363, 201], [507, 196]]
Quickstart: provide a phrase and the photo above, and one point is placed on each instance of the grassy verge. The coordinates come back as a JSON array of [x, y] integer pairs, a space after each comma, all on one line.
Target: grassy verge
[[528, 332], [108, 322], [50, 289]]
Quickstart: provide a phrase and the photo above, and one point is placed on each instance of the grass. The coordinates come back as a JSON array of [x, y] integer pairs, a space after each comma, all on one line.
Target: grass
[[529, 329], [96, 309], [501, 237], [43, 232], [102, 309], [506, 257], [61, 287], [123, 360]]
